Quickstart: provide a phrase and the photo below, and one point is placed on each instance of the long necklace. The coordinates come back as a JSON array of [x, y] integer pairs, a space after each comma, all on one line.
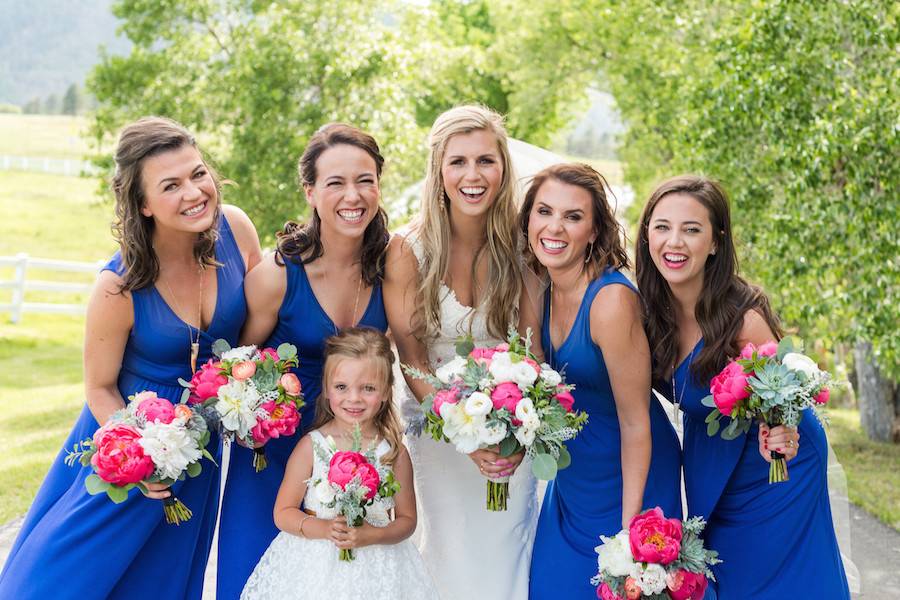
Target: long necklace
[[550, 325], [355, 304], [676, 400], [194, 340]]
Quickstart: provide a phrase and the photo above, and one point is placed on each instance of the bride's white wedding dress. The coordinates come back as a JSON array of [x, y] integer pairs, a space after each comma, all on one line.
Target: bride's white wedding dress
[[471, 552]]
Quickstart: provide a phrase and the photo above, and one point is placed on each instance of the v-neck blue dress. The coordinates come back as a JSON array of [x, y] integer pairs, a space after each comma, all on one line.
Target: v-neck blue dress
[[585, 500], [74, 545], [774, 540], [246, 527]]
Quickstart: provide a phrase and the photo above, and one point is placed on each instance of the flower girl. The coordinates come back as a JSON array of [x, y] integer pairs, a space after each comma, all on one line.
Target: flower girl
[[304, 560]]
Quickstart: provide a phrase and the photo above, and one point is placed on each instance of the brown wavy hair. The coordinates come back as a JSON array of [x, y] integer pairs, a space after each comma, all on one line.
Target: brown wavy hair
[[147, 137], [608, 249], [432, 227], [303, 243], [725, 296], [364, 343]]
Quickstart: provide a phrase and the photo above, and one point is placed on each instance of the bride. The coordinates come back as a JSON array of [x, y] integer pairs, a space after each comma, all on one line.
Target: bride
[[457, 272]]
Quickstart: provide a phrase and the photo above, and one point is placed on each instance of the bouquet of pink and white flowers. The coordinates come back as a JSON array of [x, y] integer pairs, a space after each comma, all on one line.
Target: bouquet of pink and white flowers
[[502, 397], [355, 480], [655, 558], [150, 440], [248, 394], [773, 384]]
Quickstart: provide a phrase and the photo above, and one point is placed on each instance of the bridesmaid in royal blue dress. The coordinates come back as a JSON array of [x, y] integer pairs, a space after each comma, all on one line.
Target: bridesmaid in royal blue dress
[[775, 540], [627, 457], [323, 277], [177, 280]]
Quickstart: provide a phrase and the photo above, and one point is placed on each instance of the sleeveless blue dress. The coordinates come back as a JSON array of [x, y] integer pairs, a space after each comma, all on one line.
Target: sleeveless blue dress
[[246, 526], [775, 541], [75, 545], [585, 500]]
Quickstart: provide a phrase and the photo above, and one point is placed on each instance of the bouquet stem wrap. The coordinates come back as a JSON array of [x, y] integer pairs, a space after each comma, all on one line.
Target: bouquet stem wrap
[[778, 471], [497, 493], [259, 459], [175, 510]]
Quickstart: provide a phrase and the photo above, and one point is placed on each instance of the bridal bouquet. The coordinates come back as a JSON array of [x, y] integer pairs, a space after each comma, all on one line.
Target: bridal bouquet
[[150, 440], [500, 396], [355, 481], [248, 394], [655, 558], [772, 383]]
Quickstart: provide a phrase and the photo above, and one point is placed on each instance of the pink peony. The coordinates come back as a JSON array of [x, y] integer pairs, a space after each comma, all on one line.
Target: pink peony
[[534, 365], [632, 589], [206, 382], [604, 592], [243, 370], [282, 421], [442, 397], [119, 458], [483, 355], [504, 347], [346, 466], [823, 396], [269, 352], [767, 349], [291, 384], [685, 585], [729, 388], [565, 398], [156, 409], [654, 538], [506, 395]]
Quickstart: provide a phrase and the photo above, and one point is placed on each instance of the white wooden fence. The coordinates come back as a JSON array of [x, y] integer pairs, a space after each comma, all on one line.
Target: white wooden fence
[[19, 285], [56, 166]]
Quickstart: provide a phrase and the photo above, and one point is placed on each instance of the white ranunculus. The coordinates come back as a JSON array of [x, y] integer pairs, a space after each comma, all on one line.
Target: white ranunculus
[[524, 409], [460, 428], [239, 353], [651, 579], [237, 404], [531, 422], [478, 404], [614, 556], [524, 374], [452, 370], [492, 434], [501, 367], [171, 446], [525, 436], [325, 492], [800, 363], [550, 376]]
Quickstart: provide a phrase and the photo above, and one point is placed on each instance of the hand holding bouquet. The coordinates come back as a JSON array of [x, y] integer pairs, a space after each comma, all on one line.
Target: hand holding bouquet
[[655, 558], [773, 384], [248, 394], [151, 440], [355, 481], [501, 396]]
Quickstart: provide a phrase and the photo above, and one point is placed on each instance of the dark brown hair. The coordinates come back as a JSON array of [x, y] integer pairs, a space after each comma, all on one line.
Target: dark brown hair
[[364, 343], [147, 137], [608, 250], [296, 240], [725, 297]]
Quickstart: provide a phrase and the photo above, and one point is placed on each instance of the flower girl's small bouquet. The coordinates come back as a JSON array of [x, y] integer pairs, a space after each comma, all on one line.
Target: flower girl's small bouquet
[[248, 394], [150, 440], [773, 384], [355, 480], [655, 558], [501, 396]]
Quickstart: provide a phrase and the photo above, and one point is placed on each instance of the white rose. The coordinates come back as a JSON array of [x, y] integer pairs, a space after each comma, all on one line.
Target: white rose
[[492, 434], [531, 422], [501, 367], [551, 377], [614, 556], [171, 446], [239, 353], [478, 404], [452, 370], [525, 436], [525, 409], [524, 374], [800, 363], [324, 491]]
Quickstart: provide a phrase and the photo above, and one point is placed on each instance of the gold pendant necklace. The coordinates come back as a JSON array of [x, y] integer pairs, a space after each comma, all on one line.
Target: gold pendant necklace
[[194, 340]]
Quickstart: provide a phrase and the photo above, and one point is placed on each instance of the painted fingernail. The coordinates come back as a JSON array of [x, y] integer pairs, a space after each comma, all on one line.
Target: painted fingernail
[[766, 445], [778, 449], [765, 433]]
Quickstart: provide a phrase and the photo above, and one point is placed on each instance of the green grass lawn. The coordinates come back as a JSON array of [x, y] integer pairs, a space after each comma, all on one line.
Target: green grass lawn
[[54, 136]]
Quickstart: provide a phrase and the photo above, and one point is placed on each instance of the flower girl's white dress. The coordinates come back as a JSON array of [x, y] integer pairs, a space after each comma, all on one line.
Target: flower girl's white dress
[[295, 567]]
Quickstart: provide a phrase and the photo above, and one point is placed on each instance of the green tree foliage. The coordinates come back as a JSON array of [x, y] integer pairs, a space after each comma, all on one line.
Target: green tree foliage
[[73, 101]]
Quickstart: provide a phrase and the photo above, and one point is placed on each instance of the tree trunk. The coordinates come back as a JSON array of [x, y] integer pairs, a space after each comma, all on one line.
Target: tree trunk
[[877, 397]]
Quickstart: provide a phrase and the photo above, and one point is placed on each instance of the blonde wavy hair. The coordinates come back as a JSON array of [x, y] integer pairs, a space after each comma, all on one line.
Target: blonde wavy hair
[[432, 227], [371, 344]]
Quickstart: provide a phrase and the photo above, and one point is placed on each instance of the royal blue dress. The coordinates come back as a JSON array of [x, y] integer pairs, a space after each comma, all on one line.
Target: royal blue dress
[[246, 527], [74, 545], [774, 540], [585, 500]]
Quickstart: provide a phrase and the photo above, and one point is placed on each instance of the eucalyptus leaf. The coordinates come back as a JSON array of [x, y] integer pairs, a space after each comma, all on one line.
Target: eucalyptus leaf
[[220, 347], [94, 485], [508, 446], [708, 401], [464, 346], [712, 428], [117, 494], [194, 469], [732, 431], [544, 466], [185, 394], [785, 346], [565, 459]]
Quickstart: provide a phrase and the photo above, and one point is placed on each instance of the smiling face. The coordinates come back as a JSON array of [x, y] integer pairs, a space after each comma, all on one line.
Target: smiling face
[[355, 392], [345, 193], [560, 225], [179, 191], [472, 172], [680, 236]]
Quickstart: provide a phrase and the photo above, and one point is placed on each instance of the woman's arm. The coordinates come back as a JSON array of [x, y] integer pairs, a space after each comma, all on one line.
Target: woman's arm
[[616, 328], [530, 317], [264, 288], [244, 234]]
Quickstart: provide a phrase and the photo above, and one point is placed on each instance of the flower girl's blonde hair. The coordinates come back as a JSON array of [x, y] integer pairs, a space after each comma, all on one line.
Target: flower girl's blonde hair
[[358, 343]]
